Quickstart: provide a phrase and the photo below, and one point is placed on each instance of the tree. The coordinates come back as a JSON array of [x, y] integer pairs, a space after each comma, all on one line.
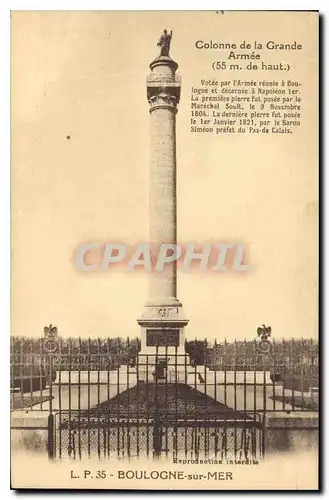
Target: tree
[[196, 349]]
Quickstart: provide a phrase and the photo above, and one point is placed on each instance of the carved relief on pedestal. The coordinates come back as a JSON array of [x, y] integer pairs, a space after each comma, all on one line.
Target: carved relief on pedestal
[[162, 312], [164, 315]]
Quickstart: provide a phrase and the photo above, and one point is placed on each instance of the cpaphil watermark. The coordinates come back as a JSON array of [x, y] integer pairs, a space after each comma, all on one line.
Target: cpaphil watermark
[[151, 258]]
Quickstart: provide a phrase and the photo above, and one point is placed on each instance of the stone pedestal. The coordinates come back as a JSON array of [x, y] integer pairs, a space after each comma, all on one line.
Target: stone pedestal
[[162, 339], [163, 320]]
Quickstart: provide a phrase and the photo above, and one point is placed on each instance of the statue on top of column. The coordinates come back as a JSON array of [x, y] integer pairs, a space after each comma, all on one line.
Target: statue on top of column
[[164, 43]]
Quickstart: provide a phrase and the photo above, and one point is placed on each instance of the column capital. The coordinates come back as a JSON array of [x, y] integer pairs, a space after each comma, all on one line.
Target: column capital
[[163, 85], [163, 101]]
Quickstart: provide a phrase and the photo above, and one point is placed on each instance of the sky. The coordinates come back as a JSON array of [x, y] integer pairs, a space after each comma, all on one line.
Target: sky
[[81, 167]]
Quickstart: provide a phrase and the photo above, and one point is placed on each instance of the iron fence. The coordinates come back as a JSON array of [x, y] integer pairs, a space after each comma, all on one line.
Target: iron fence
[[102, 399]]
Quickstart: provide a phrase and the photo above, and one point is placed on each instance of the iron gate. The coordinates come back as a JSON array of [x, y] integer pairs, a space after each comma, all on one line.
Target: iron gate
[[223, 439]]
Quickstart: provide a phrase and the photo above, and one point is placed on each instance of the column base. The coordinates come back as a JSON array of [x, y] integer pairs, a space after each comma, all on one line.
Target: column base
[[162, 357]]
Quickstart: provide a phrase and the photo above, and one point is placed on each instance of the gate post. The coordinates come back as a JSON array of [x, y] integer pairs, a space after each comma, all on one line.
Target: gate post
[[51, 436], [50, 346], [264, 434], [156, 440]]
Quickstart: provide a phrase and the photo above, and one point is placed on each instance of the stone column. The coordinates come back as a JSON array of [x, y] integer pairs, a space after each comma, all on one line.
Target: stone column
[[163, 319], [163, 223]]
